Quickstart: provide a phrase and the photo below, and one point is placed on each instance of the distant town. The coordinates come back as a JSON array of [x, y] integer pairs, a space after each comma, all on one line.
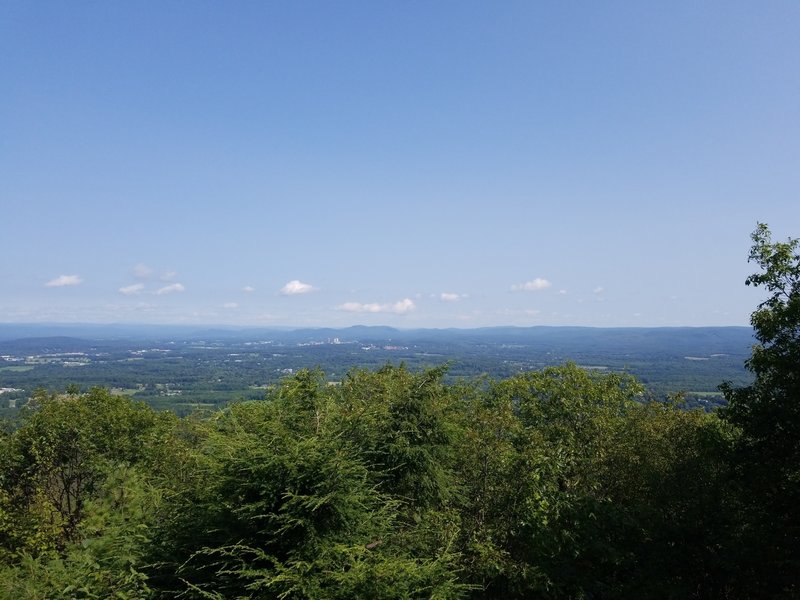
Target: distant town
[[190, 370]]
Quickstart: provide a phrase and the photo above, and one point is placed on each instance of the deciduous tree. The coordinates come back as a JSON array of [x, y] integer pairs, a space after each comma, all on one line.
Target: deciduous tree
[[768, 413]]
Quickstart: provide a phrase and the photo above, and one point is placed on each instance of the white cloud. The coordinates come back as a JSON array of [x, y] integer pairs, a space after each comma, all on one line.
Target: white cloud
[[531, 286], [132, 290], [296, 287], [168, 275], [170, 289], [403, 306], [359, 307], [230, 305], [63, 280], [248, 289], [450, 297], [399, 308], [598, 290], [562, 292], [142, 271]]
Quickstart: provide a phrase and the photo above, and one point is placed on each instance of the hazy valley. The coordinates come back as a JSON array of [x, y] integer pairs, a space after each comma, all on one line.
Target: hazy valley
[[181, 368]]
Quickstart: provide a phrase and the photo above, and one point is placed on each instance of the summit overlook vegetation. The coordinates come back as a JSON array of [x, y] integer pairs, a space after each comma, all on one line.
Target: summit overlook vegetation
[[560, 482]]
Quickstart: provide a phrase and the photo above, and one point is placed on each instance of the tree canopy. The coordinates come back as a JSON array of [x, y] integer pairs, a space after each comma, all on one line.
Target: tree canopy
[[558, 483], [768, 414]]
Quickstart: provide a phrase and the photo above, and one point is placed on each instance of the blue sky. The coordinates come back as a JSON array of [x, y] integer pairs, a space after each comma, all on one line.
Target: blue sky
[[416, 164]]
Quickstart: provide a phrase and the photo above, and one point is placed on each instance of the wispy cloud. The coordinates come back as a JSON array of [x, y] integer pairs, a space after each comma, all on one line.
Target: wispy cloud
[[295, 287], [248, 289], [170, 289], [398, 308], [63, 280], [511, 312], [168, 275], [531, 286], [142, 271], [230, 305], [132, 290], [451, 297], [598, 290], [145, 306]]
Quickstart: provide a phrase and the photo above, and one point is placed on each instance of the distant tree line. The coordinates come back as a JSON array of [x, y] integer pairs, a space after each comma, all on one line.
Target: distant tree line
[[559, 483]]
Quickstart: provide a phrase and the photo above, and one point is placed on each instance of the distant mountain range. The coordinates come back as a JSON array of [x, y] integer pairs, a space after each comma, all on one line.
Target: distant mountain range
[[672, 340]]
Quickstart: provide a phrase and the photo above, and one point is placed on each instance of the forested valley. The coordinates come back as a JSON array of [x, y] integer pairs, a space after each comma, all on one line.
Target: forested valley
[[560, 482]]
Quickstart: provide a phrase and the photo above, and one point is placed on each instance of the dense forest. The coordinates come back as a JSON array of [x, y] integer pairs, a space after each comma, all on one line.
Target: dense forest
[[400, 483]]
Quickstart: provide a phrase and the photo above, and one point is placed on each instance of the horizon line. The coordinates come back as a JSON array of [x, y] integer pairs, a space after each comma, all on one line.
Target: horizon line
[[362, 325]]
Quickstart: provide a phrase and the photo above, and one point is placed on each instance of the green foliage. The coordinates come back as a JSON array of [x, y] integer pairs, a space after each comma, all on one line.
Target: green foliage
[[66, 445], [399, 422], [768, 413], [74, 497], [664, 522], [107, 561], [575, 488], [530, 452], [769, 410], [295, 503], [399, 484], [558, 483]]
